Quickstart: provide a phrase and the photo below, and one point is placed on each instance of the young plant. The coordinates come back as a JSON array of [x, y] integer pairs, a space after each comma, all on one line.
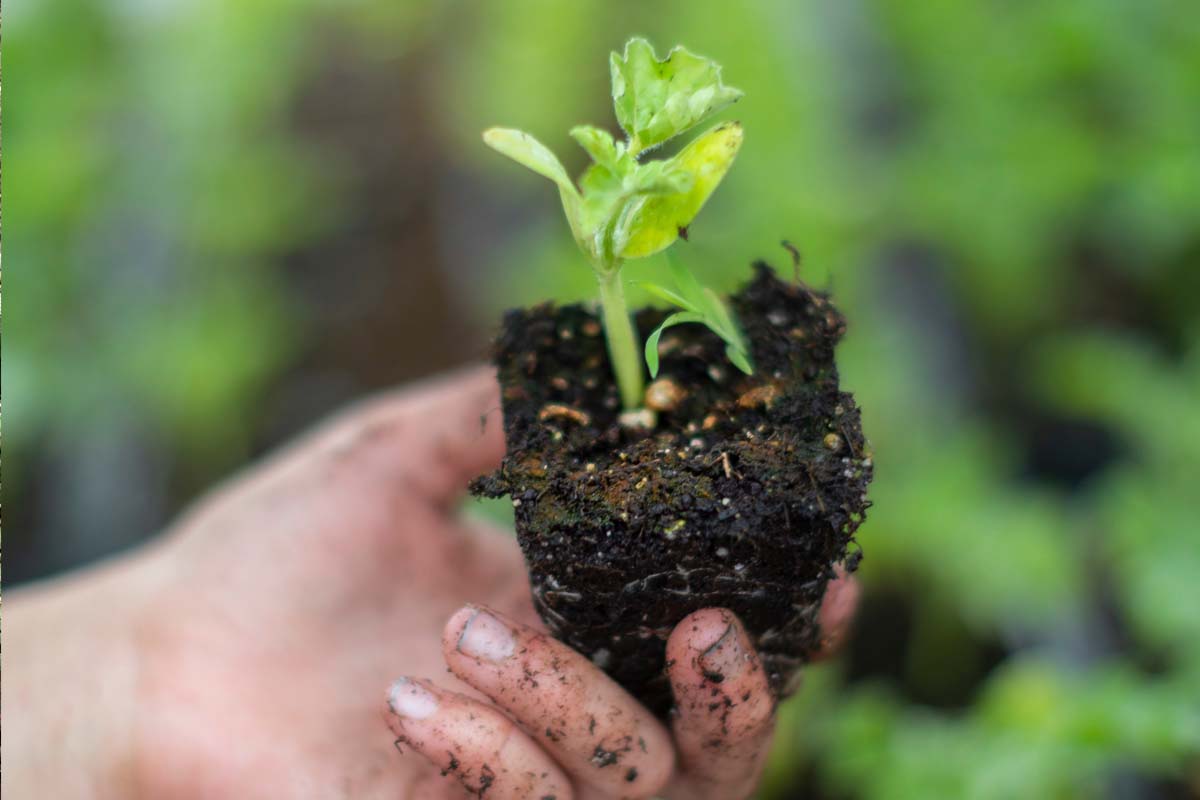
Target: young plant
[[625, 207]]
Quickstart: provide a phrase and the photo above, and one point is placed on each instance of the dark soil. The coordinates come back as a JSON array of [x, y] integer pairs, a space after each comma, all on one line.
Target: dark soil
[[745, 496]]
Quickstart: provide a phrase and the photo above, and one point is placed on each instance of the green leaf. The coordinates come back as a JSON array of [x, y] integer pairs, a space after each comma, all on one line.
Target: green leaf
[[705, 306], [610, 196], [656, 222], [599, 145], [658, 177], [529, 152], [677, 318], [658, 100], [686, 282], [739, 359], [663, 293], [720, 315]]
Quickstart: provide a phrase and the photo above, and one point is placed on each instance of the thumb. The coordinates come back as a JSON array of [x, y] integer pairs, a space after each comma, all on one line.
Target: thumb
[[434, 436]]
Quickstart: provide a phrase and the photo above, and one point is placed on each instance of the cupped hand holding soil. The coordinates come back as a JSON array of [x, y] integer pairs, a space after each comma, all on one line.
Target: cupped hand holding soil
[[556, 726], [248, 652]]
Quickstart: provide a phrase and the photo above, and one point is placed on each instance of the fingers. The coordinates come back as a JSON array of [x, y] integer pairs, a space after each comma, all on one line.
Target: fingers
[[603, 737], [837, 612], [474, 743], [724, 707], [436, 435]]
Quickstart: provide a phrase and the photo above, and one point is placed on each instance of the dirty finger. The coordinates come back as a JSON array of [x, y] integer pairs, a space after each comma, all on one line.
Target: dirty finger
[[604, 738], [837, 613], [725, 713], [473, 743]]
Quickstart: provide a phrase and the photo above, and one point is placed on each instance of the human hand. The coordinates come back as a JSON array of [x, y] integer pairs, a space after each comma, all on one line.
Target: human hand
[[246, 654]]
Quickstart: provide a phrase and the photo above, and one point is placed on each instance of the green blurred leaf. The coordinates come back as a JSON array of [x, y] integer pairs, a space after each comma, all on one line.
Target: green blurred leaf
[[656, 222], [678, 318], [672, 297], [700, 305], [739, 359], [529, 152], [658, 100]]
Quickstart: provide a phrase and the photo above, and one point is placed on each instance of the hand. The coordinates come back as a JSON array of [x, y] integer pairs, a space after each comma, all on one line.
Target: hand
[[247, 654]]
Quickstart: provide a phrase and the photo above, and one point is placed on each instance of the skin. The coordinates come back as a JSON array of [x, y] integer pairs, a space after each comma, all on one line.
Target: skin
[[248, 652]]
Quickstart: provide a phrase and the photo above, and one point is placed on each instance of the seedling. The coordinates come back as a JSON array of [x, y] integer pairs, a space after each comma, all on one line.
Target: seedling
[[625, 207]]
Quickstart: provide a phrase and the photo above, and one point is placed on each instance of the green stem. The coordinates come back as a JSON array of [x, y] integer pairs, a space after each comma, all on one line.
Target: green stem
[[623, 349]]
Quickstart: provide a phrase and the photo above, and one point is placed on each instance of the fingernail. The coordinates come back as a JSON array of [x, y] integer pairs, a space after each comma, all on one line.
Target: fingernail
[[411, 700], [486, 637], [724, 658]]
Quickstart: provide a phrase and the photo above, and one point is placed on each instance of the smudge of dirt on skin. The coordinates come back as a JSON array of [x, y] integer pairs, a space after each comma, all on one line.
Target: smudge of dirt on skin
[[604, 758], [486, 778]]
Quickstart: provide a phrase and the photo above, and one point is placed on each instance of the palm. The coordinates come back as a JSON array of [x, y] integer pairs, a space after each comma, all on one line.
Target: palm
[[365, 566]]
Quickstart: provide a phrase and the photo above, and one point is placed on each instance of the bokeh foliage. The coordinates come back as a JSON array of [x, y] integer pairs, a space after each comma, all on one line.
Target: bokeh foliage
[[1004, 198]]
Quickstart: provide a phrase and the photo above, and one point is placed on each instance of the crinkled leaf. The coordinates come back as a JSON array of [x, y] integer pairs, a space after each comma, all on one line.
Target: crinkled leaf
[[610, 197], [652, 341], [658, 100], [529, 152], [656, 222], [659, 177]]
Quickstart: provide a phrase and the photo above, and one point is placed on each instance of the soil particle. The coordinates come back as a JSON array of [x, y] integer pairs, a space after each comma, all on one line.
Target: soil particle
[[604, 758], [744, 495], [664, 394]]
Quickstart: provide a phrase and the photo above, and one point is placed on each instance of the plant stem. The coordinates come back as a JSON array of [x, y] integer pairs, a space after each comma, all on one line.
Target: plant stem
[[623, 349]]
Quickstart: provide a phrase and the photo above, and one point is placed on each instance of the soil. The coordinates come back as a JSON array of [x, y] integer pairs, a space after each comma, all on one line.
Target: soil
[[745, 496]]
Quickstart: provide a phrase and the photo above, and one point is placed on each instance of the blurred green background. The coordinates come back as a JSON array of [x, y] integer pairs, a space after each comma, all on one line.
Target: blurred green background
[[230, 217]]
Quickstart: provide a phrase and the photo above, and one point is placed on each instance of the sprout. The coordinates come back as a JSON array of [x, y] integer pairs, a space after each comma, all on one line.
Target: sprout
[[627, 208]]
